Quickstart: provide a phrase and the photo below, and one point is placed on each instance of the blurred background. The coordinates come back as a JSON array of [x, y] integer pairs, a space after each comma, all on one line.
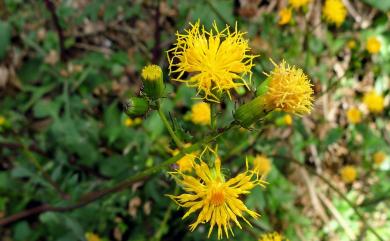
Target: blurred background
[[66, 67]]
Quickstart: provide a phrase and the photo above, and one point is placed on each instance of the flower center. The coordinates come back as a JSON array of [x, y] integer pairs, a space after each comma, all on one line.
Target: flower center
[[217, 197]]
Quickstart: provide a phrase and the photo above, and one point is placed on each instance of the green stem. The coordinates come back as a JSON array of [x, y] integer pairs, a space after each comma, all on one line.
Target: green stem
[[213, 115], [169, 127], [167, 215]]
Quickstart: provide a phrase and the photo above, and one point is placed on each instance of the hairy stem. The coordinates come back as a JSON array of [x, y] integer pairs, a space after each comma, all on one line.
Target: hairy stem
[[213, 115], [169, 127]]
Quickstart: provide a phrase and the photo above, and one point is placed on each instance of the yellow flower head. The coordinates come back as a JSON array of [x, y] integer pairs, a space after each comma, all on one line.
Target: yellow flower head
[[151, 72], [354, 115], [348, 174], [285, 16], [200, 113], [132, 122], [2, 120], [217, 60], [261, 165], [272, 237], [351, 44], [373, 45], [216, 199], [289, 89], [334, 12], [374, 102], [92, 237], [187, 161], [287, 119], [298, 3], [379, 157]]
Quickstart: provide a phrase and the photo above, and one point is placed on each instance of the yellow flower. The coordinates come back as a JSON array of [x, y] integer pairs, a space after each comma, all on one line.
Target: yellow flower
[[2, 120], [132, 122], [289, 89], [373, 45], [92, 237], [379, 157], [354, 115], [348, 174], [334, 12], [284, 16], [151, 72], [261, 165], [200, 113], [287, 119], [187, 161], [272, 237], [218, 60], [351, 44], [298, 3], [374, 102], [217, 200]]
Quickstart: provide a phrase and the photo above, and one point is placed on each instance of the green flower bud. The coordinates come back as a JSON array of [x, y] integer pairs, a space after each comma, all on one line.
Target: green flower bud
[[250, 112], [136, 106], [262, 88], [152, 77]]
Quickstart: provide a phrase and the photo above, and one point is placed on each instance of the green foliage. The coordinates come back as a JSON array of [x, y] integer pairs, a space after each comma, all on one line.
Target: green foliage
[[66, 137]]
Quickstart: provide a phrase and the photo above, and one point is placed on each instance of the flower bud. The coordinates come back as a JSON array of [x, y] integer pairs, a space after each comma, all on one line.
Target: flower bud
[[153, 84], [136, 106], [250, 112]]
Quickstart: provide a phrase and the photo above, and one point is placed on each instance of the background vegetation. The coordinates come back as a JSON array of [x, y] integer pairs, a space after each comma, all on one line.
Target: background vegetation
[[69, 155]]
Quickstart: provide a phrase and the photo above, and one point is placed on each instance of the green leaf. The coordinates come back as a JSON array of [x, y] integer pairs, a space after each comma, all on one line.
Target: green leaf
[[44, 108], [22, 231], [5, 38], [379, 4], [333, 135]]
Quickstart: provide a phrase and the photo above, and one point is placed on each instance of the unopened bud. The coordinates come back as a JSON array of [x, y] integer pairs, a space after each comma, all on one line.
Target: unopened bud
[[136, 106], [250, 112], [153, 84]]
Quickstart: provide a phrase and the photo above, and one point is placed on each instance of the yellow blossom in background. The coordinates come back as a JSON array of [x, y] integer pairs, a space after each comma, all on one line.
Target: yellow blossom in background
[[373, 45], [348, 174], [261, 165], [334, 12], [379, 157], [217, 200], [92, 237], [351, 44], [287, 119], [200, 113], [374, 102], [298, 3], [289, 89], [285, 16], [151, 72], [217, 60], [132, 122], [2, 120], [354, 115], [272, 237], [187, 161]]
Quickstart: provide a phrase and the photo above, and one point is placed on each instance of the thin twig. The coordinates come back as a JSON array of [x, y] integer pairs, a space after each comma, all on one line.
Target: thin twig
[[52, 9]]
